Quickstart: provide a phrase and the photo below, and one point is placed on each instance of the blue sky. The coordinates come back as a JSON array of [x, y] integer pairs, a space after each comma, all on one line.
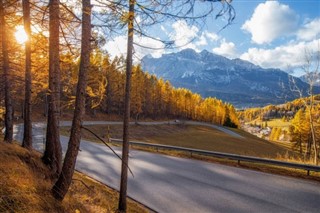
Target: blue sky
[[272, 34]]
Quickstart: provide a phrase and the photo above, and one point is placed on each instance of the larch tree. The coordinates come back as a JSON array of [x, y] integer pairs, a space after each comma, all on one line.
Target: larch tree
[[125, 147], [299, 131], [8, 137], [27, 134], [61, 187], [114, 86], [53, 151]]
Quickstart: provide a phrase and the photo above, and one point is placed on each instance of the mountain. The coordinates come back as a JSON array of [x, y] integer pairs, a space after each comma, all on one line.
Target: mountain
[[235, 81]]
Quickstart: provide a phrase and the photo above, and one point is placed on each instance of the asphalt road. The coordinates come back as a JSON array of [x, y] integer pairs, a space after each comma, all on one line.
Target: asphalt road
[[170, 184]]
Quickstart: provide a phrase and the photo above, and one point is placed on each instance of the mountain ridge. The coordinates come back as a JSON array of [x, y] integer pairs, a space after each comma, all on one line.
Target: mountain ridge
[[236, 81]]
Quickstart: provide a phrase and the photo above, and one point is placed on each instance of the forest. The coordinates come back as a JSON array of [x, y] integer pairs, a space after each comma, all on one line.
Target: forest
[[53, 61]]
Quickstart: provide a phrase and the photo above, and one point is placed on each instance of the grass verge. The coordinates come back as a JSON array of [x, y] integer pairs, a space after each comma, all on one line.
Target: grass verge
[[25, 186]]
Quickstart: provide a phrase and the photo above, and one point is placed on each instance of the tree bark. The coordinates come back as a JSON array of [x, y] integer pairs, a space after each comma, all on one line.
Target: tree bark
[[27, 134], [125, 148], [53, 152], [61, 187], [8, 137]]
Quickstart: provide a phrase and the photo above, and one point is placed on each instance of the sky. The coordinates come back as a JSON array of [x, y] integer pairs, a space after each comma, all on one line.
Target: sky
[[271, 34]]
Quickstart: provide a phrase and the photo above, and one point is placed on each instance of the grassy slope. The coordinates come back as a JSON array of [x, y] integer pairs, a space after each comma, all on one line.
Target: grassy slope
[[25, 186], [197, 137]]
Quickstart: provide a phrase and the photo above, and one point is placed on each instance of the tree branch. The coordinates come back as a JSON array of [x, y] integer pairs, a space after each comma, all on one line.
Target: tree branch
[[85, 128]]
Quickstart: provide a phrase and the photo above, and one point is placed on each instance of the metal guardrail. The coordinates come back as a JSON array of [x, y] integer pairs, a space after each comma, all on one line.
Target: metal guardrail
[[238, 158]]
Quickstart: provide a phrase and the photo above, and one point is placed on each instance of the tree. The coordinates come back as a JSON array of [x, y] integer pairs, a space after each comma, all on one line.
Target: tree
[[97, 81], [53, 151], [8, 137], [27, 134], [115, 86], [299, 130], [125, 147], [137, 87], [62, 185]]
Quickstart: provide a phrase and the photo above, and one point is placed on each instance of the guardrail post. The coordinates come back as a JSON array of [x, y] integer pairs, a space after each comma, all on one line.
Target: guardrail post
[[308, 172], [238, 162], [191, 153]]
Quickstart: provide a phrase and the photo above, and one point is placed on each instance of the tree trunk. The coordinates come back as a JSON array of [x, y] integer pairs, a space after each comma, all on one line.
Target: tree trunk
[[300, 144], [61, 187], [308, 148], [125, 148], [27, 134], [108, 94], [8, 137], [53, 152]]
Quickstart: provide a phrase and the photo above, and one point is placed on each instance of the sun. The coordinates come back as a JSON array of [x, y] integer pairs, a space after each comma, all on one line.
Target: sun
[[21, 35]]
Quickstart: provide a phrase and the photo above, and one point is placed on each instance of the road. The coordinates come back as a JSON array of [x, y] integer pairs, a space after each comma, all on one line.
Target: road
[[171, 184]]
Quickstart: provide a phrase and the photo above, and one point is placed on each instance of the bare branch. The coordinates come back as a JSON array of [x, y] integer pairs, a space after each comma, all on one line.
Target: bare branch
[[107, 146]]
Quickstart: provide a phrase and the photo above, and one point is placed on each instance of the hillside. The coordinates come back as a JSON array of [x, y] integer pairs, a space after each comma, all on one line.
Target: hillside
[[288, 123], [25, 186], [286, 110], [235, 81], [192, 136]]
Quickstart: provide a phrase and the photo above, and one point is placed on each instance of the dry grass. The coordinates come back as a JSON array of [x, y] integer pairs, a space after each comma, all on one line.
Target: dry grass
[[197, 137], [25, 187]]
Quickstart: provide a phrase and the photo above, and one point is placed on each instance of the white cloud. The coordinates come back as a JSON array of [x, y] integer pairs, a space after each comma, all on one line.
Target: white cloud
[[201, 41], [310, 30], [227, 49], [271, 20], [211, 36], [154, 47], [183, 34], [292, 55], [186, 36], [118, 47]]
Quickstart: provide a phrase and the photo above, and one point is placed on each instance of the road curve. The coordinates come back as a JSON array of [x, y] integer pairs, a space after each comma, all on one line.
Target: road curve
[[170, 184]]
